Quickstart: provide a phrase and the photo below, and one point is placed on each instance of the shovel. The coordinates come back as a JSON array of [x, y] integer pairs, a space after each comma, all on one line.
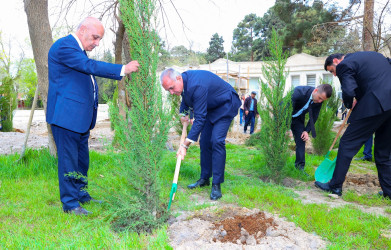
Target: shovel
[[177, 168], [325, 171]]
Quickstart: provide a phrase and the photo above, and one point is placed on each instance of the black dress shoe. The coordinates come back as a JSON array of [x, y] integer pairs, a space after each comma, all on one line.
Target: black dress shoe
[[216, 192], [199, 183], [326, 187], [363, 159], [299, 166], [78, 211], [92, 200]]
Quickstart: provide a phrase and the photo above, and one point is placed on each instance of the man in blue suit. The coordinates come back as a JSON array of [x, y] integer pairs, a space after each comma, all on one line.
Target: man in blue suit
[[366, 76], [215, 104], [72, 106]]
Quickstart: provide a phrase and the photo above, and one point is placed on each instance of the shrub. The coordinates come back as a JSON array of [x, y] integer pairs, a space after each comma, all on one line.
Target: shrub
[[324, 125], [8, 103]]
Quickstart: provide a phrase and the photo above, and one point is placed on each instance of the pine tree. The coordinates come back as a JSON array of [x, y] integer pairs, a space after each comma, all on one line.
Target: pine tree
[[143, 134], [216, 48], [275, 110]]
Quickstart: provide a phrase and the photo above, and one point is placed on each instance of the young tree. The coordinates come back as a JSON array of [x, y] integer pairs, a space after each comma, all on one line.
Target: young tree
[[143, 133], [216, 48], [275, 110]]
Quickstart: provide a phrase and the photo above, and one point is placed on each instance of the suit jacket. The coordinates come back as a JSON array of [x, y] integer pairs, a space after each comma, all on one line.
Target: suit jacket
[[210, 97], [247, 105], [300, 97], [365, 75], [71, 103]]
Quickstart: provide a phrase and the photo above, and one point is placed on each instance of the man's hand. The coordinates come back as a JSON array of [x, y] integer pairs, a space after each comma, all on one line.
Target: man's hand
[[304, 136], [181, 152], [246, 112], [185, 119], [131, 67], [354, 103]]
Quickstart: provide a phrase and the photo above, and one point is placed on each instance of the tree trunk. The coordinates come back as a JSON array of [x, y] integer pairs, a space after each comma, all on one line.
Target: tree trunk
[[368, 25], [119, 38], [41, 41]]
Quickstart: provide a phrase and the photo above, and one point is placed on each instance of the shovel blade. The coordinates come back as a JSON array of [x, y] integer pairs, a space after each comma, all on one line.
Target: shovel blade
[[172, 194], [325, 171]]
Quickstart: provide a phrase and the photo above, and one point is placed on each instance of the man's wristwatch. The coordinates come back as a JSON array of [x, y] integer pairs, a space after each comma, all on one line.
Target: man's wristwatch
[[183, 145]]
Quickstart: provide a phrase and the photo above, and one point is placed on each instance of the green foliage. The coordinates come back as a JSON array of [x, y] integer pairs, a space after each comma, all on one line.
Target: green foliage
[[181, 56], [303, 26], [143, 134], [324, 125], [106, 86], [27, 81], [243, 38], [253, 140], [216, 48], [8, 103], [275, 111]]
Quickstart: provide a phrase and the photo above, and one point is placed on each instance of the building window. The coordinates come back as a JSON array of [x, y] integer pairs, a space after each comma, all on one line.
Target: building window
[[311, 79], [328, 78], [295, 81]]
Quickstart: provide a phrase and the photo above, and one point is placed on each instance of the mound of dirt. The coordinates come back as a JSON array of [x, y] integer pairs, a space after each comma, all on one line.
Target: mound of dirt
[[244, 228], [369, 180], [231, 227]]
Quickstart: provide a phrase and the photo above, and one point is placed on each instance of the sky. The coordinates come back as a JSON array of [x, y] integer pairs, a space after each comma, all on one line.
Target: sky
[[201, 19]]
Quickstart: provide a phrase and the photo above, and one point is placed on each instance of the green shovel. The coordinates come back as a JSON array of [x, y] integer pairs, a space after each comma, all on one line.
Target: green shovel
[[177, 168], [325, 171]]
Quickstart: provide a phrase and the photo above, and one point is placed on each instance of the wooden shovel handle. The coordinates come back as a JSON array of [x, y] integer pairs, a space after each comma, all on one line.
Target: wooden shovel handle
[[340, 129], [178, 161]]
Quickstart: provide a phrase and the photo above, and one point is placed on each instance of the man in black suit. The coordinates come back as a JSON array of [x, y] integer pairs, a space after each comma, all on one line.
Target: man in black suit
[[250, 111], [306, 99], [366, 76]]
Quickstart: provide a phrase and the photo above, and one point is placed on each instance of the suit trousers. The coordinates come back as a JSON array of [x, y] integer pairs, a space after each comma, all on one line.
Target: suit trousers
[[213, 154], [297, 128], [368, 148], [354, 137], [250, 118], [73, 162]]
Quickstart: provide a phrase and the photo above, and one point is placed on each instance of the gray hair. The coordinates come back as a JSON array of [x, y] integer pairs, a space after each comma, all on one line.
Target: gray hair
[[88, 21], [170, 72]]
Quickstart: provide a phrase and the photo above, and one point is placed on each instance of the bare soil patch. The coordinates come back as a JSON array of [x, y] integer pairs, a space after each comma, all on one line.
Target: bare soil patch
[[229, 227]]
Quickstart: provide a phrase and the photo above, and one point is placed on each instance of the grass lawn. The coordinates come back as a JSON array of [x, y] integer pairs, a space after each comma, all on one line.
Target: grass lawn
[[31, 215]]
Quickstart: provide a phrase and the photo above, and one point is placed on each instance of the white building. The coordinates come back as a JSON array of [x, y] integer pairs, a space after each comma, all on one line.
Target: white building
[[303, 69]]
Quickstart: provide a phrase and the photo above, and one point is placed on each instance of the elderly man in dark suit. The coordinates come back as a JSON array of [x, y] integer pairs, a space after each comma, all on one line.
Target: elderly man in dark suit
[[215, 103], [365, 76], [306, 99], [72, 106]]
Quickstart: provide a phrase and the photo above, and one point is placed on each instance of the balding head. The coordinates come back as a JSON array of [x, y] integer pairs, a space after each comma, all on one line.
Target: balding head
[[90, 31]]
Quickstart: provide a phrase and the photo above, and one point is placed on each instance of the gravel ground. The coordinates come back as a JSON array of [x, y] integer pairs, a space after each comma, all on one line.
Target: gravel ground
[[12, 142]]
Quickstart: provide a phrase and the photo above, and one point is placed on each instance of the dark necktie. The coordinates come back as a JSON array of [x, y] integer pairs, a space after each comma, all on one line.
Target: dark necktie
[[95, 87], [313, 132]]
